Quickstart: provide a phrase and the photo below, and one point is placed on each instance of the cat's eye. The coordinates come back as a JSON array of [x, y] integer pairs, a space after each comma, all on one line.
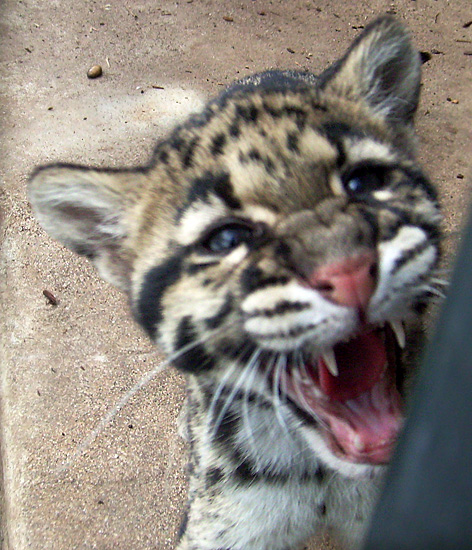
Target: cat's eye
[[228, 235], [365, 179]]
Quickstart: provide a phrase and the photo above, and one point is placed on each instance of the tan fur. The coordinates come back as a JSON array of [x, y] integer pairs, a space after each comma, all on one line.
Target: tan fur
[[231, 243]]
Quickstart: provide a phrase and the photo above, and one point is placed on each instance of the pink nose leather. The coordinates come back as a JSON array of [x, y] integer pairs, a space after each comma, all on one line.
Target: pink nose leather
[[347, 282]]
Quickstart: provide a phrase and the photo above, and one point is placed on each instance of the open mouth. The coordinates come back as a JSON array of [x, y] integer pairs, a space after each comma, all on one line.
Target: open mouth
[[351, 393]]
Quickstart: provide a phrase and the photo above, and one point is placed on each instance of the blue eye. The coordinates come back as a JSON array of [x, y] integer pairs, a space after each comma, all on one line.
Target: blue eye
[[365, 179], [228, 236]]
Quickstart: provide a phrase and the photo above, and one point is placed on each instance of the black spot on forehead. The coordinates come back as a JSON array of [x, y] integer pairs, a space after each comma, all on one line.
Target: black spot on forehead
[[337, 132], [200, 188], [249, 113], [188, 153], [225, 191], [162, 155], [217, 144], [292, 142], [203, 187]]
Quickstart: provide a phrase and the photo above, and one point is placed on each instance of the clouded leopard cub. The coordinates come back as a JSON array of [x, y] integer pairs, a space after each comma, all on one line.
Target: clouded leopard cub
[[274, 247]]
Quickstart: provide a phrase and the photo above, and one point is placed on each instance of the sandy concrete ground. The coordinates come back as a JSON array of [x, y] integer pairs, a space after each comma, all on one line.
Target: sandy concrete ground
[[63, 367]]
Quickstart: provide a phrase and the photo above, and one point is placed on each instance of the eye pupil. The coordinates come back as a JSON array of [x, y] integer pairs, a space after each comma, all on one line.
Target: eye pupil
[[365, 179], [228, 237], [354, 185]]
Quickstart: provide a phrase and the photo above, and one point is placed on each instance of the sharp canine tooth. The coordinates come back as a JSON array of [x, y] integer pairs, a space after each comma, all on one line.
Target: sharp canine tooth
[[330, 361], [358, 444], [399, 332]]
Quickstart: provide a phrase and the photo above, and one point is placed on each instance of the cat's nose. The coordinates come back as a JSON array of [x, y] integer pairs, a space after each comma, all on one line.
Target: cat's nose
[[348, 281]]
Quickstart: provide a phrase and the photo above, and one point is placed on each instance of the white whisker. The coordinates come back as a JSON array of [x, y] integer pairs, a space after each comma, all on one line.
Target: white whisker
[[245, 407], [111, 414], [236, 387], [440, 282], [433, 290], [219, 390], [277, 378]]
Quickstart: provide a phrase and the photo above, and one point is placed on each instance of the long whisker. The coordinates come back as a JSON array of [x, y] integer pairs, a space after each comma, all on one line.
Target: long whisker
[[277, 378], [269, 381], [236, 388], [433, 290], [440, 282], [249, 380], [219, 390], [110, 415]]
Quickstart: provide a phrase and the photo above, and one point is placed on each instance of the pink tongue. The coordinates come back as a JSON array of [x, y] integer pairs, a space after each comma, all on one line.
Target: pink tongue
[[366, 415], [366, 428], [360, 362]]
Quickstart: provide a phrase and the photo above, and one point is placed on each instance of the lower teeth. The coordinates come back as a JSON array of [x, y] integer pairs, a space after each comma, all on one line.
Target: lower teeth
[[358, 443]]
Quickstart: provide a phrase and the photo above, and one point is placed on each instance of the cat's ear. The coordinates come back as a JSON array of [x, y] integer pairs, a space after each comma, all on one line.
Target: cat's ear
[[85, 209], [383, 68]]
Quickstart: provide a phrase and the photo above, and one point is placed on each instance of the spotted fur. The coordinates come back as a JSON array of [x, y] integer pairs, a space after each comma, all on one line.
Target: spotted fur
[[285, 225]]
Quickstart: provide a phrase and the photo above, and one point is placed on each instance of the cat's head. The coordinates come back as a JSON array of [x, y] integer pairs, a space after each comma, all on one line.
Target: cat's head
[[277, 241]]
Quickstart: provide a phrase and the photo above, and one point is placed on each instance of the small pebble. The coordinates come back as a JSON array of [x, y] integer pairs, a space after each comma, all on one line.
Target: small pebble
[[95, 71], [50, 297]]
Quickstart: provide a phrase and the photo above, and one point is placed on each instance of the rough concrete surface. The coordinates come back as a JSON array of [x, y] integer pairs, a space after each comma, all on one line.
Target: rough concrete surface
[[63, 367]]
